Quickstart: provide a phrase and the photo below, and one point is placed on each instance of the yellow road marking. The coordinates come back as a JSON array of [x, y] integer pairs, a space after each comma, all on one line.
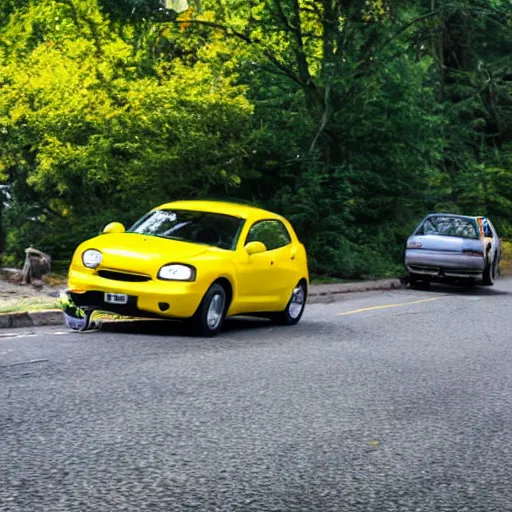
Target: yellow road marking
[[386, 306]]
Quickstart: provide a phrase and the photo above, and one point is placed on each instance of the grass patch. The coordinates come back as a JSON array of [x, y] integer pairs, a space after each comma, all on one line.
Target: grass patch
[[23, 305], [506, 249], [506, 257]]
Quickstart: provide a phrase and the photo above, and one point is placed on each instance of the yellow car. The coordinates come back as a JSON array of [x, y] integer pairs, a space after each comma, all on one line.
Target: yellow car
[[196, 260]]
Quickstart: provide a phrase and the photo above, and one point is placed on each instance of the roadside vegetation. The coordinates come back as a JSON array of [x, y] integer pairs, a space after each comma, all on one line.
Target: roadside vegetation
[[32, 304], [352, 118], [506, 260]]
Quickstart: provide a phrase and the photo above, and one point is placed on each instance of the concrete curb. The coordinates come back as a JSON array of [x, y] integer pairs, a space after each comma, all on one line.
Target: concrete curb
[[327, 293], [318, 294], [31, 319]]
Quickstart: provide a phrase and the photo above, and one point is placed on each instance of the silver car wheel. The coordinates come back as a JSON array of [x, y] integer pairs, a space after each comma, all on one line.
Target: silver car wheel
[[215, 311], [492, 274], [297, 302]]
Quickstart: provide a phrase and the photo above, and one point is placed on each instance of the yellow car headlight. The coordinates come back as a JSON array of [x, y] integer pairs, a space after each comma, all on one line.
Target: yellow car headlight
[[92, 258], [177, 272]]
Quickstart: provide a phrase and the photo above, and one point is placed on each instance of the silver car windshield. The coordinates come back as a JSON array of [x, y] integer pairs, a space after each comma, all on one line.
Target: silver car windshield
[[204, 228], [449, 226]]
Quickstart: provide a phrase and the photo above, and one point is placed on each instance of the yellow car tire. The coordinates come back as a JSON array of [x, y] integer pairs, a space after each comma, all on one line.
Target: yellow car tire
[[295, 307], [209, 317]]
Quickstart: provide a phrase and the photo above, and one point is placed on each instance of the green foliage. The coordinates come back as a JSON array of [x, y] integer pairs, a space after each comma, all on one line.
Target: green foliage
[[506, 257], [83, 128], [352, 118]]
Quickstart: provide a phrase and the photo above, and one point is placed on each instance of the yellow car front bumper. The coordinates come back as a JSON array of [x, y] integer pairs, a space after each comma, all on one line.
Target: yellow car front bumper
[[168, 299]]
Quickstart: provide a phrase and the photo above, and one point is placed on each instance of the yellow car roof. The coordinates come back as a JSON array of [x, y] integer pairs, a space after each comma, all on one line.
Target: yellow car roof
[[237, 210]]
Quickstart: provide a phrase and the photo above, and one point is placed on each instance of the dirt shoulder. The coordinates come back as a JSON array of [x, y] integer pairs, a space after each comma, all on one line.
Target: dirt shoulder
[[17, 297]]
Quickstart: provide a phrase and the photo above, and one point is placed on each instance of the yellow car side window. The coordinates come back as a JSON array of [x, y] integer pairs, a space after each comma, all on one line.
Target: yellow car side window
[[272, 233]]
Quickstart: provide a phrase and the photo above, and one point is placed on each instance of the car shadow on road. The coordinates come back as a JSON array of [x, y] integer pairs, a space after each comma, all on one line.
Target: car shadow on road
[[475, 291], [182, 329]]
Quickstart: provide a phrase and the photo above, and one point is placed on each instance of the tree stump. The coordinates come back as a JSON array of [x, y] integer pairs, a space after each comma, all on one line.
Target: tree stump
[[36, 265]]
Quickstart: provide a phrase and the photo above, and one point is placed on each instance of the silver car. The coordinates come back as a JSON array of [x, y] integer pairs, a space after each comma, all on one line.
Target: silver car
[[453, 248]]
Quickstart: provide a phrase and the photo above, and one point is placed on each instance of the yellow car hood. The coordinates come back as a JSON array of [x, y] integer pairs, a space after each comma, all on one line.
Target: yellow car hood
[[140, 253]]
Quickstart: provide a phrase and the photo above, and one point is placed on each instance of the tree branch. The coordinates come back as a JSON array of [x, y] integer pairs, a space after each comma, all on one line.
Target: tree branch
[[407, 26], [325, 117], [249, 40], [227, 30], [300, 56], [283, 17], [284, 69]]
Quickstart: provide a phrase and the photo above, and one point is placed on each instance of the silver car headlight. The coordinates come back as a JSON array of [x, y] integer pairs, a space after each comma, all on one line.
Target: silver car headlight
[[177, 272], [92, 258]]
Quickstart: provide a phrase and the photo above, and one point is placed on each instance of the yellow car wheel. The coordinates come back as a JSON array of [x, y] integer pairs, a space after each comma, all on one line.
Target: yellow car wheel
[[210, 315], [295, 307]]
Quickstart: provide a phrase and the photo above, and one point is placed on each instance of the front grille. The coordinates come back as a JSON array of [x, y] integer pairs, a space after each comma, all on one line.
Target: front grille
[[123, 276]]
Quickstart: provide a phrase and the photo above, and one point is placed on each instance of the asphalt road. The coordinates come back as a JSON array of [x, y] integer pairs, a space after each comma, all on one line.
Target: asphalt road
[[388, 401]]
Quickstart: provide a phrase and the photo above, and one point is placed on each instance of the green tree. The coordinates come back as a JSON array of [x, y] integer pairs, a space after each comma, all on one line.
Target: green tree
[[345, 129], [87, 134], [352, 117], [471, 42]]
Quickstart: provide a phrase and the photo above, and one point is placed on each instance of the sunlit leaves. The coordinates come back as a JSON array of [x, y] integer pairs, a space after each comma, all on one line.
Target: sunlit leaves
[[90, 125]]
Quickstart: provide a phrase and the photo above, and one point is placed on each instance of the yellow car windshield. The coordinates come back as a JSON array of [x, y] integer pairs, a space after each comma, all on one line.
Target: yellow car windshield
[[196, 227]]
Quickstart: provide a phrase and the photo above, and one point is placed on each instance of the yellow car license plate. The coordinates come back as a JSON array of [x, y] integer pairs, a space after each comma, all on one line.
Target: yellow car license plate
[[116, 298]]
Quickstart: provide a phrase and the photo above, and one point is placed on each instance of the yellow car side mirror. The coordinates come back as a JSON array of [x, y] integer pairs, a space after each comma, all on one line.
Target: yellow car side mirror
[[255, 248], [114, 227]]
